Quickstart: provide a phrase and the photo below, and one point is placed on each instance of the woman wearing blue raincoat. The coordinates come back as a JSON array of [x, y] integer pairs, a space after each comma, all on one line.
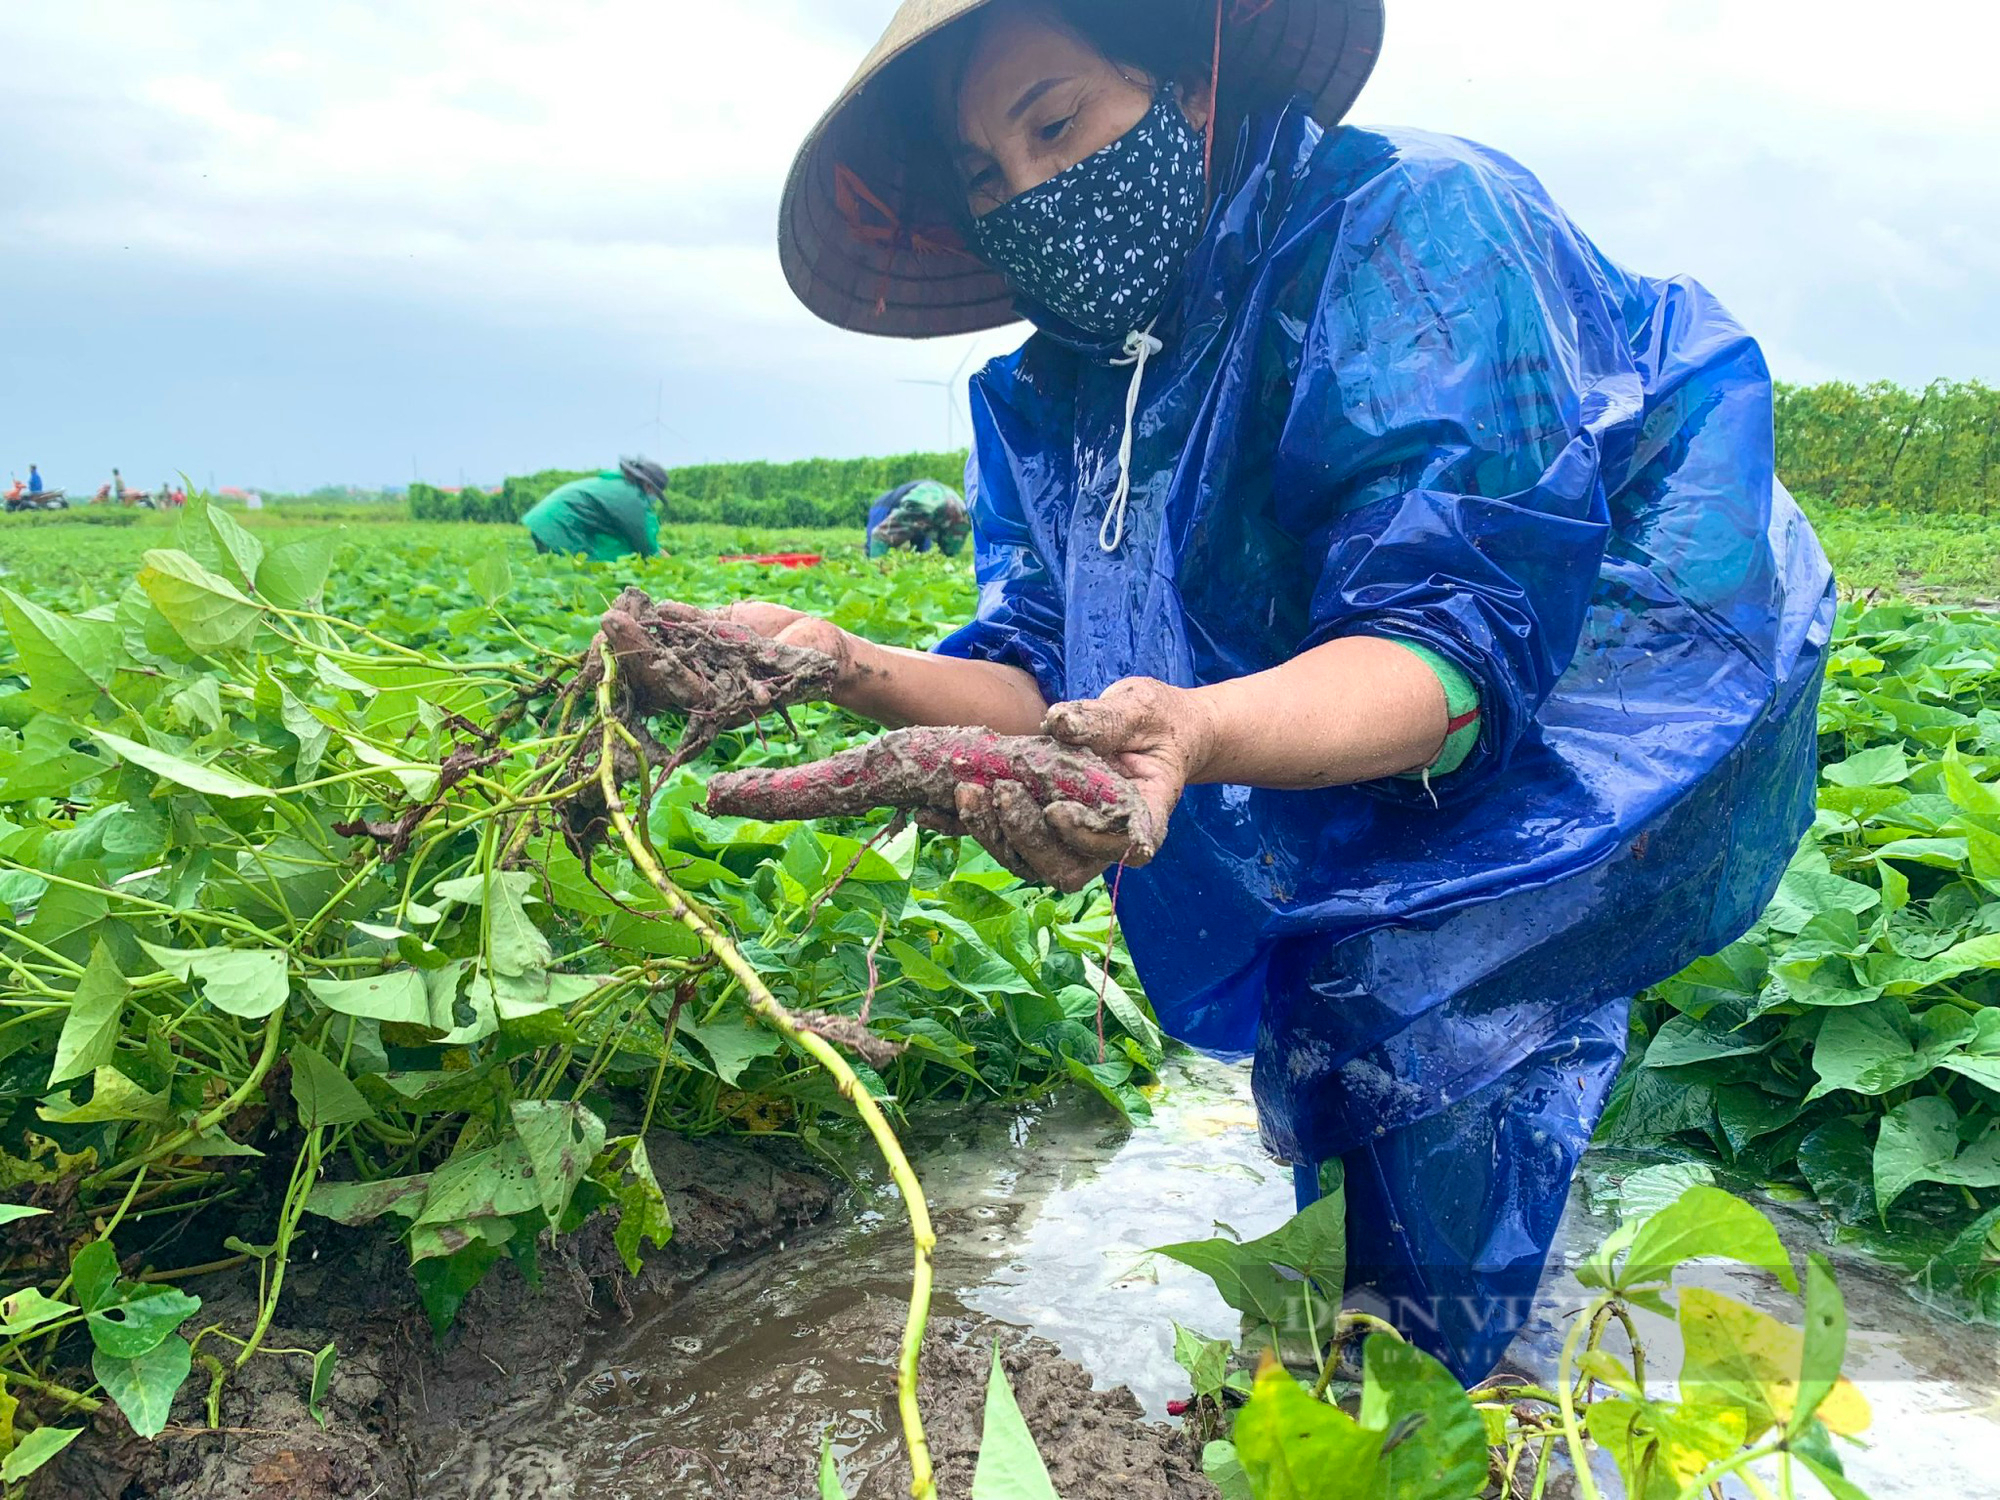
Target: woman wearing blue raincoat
[[1426, 569]]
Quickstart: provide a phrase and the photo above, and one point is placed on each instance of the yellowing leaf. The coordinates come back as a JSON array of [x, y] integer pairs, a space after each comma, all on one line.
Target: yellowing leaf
[[1738, 1357], [206, 610], [1296, 1448], [113, 1097], [1660, 1448]]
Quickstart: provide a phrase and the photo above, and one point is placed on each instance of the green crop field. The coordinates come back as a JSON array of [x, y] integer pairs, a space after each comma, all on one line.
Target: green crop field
[[297, 929], [1940, 556]]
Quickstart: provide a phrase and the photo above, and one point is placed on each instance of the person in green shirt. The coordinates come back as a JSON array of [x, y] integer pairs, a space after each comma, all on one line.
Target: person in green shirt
[[606, 516]]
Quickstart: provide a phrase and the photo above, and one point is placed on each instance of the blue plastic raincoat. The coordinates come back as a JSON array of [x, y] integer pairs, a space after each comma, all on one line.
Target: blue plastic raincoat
[[1401, 394]]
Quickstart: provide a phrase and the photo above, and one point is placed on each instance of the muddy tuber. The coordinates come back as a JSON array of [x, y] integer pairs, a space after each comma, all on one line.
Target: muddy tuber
[[920, 770]]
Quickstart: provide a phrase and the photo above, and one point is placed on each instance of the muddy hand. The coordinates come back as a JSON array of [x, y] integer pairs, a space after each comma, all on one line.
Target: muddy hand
[[1142, 727], [1065, 845], [1148, 730]]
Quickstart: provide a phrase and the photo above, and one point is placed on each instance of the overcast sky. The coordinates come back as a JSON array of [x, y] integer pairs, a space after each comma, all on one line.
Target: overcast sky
[[285, 244]]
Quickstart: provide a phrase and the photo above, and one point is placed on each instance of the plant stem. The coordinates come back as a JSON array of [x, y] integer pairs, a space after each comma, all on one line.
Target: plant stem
[[1542, 1468], [188, 1273], [273, 1028], [303, 1173], [1632, 1337], [1738, 1466], [1586, 1482], [923, 1486], [49, 1388], [1344, 1329]]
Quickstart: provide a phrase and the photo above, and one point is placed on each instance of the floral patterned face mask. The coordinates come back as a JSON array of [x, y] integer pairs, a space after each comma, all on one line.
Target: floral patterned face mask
[[1102, 243]]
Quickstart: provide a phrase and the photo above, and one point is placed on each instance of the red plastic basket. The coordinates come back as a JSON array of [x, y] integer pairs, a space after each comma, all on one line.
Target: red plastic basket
[[778, 559]]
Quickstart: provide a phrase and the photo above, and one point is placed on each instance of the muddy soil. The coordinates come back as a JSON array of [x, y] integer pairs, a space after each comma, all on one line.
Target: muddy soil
[[1097, 1444], [398, 1399], [484, 1416]]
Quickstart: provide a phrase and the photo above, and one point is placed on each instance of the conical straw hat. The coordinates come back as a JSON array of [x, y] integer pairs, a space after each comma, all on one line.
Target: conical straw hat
[[869, 243]]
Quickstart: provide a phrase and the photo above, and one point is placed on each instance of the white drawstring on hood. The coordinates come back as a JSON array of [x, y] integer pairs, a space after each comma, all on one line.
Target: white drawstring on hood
[[1140, 346]]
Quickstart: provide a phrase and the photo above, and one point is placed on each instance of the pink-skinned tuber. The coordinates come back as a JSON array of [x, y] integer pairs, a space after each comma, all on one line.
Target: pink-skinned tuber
[[920, 770]]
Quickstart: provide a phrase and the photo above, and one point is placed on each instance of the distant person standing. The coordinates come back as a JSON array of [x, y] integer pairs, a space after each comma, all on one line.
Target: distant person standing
[[607, 516], [35, 485], [117, 484], [916, 517]]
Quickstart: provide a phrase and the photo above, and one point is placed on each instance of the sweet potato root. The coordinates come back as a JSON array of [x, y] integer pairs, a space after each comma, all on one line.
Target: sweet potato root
[[921, 770]]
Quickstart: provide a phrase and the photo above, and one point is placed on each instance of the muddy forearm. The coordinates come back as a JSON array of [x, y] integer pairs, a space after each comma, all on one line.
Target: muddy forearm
[[895, 687], [1351, 710]]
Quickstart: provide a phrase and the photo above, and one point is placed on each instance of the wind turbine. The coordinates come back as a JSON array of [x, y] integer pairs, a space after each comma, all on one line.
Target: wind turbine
[[660, 424], [950, 389]]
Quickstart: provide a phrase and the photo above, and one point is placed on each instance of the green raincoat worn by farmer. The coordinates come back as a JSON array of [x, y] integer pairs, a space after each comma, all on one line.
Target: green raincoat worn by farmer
[[918, 516], [607, 516]]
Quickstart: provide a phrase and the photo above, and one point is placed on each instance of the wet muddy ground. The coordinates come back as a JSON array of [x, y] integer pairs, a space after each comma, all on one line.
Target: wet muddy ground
[[1046, 1216], [725, 1385], [400, 1405]]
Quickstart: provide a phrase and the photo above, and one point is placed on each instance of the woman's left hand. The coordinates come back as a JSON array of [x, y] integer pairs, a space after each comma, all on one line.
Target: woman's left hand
[[1147, 729]]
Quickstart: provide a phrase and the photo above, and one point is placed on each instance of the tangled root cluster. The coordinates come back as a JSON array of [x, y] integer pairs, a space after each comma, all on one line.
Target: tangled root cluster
[[675, 659]]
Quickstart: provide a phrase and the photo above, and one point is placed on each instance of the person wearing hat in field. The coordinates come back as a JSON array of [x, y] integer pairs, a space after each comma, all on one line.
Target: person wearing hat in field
[[916, 517], [1425, 567], [606, 516]]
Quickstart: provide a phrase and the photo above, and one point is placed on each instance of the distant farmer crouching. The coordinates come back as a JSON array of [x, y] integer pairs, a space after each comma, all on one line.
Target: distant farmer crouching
[[918, 516], [607, 516]]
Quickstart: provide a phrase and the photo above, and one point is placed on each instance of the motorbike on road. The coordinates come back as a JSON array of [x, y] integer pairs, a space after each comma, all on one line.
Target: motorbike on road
[[23, 499]]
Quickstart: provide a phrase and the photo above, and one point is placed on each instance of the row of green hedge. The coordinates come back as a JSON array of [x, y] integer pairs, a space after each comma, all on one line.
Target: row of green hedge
[[1932, 450], [1935, 450], [812, 492]]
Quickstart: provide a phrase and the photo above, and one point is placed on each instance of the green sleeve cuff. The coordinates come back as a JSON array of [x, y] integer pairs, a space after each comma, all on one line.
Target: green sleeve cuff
[[1461, 702]]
